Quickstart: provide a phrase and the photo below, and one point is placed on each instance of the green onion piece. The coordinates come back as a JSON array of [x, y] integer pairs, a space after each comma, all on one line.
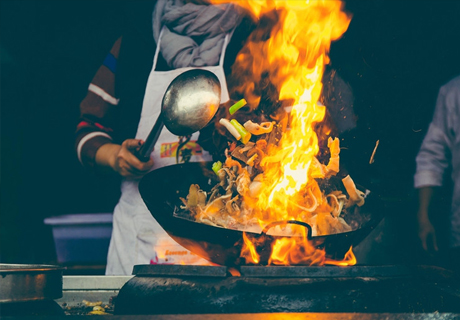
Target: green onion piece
[[245, 134], [216, 166], [237, 106]]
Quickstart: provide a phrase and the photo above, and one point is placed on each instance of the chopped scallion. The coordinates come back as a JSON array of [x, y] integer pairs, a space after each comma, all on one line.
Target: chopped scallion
[[245, 134], [237, 106], [216, 166]]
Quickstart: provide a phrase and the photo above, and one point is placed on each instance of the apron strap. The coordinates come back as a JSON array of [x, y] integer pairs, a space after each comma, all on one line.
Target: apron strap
[[157, 50], [224, 47]]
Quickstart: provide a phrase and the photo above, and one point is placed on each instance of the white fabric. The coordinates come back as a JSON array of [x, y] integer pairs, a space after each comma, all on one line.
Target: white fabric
[[137, 238], [104, 95], [441, 147]]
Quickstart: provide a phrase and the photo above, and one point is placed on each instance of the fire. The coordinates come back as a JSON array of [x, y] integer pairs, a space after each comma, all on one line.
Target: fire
[[293, 58], [249, 250], [292, 252], [348, 260]]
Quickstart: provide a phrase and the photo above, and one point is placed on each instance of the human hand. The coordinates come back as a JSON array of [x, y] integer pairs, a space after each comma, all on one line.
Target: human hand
[[122, 158], [427, 235]]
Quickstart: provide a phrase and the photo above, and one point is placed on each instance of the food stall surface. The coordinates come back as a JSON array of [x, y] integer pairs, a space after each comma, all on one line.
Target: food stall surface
[[268, 316], [255, 292], [82, 295]]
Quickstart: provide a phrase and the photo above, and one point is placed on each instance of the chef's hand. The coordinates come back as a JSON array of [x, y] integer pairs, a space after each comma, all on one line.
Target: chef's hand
[[122, 158], [427, 234]]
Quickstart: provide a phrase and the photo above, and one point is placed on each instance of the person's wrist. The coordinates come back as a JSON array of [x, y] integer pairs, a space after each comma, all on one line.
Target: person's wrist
[[112, 157], [107, 154], [422, 212], [423, 221]]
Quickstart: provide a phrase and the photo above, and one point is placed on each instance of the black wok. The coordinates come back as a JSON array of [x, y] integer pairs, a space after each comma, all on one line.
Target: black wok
[[161, 189]]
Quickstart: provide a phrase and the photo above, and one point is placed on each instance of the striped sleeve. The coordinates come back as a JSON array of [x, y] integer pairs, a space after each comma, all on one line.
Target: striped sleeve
[[97, 109]]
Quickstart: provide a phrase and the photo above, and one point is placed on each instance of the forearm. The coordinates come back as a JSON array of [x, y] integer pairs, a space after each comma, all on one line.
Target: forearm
[[426, 231], [96, 126], [425, 197]]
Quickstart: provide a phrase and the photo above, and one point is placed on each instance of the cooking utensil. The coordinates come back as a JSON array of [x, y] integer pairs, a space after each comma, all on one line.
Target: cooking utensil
[[27, 282], [189, 103], [161, 189]]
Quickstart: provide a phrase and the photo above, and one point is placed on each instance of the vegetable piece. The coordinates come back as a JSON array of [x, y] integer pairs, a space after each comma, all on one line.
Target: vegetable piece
[[92, 303], [237, 106], [371, 161], [192, 198], [98, 308], [98, 313], [245, 135], [238, 154], [314, 205], [334, 148], [258, 129], [216, 166], [230, 128], [356, 196], [251, 160]]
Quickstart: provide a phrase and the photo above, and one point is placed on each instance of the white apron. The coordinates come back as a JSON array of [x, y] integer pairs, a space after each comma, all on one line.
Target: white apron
[[136, 237]]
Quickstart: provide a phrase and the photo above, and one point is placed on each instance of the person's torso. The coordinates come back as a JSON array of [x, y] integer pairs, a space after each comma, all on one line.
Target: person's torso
[[452, 100], [135, 63], [169, 148]]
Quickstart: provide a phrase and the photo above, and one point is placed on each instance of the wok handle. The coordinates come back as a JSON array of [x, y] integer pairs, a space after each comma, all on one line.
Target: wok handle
[[279, 223], [146, 149]]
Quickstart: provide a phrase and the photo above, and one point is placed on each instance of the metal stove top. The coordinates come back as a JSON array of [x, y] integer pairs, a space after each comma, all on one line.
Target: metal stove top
[[160, 289], [276, 271]]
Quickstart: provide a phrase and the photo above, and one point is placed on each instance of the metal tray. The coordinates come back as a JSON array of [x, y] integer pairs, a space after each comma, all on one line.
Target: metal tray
[[28, 282]]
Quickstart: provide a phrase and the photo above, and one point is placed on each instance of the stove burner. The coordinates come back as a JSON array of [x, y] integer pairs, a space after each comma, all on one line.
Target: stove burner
[[179, 270], [324, 272], [163, 289]]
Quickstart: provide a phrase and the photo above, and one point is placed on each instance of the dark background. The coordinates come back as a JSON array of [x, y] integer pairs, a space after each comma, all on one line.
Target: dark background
[[395, 55]]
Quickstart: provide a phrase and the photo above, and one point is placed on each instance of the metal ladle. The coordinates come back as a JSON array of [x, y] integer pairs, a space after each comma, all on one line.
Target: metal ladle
[[189, 103]]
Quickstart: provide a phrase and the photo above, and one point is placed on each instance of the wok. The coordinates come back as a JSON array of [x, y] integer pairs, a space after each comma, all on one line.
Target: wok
[[161, 189]]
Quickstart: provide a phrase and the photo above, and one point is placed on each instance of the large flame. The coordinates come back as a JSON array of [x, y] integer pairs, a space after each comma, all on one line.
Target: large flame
[[294, 59]]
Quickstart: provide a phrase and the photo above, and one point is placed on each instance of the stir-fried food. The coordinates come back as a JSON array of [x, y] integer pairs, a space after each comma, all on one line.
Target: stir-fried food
[[231, 203]]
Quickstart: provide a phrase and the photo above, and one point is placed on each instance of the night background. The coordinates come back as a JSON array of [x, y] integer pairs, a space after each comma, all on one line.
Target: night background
[[395, 55]]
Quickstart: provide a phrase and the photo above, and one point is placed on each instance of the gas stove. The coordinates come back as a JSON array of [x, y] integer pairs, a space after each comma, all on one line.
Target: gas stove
[[162, 289], [255, 292]]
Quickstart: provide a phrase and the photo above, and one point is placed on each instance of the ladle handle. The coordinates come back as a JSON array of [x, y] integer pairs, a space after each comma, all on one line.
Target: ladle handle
[[144, 152]]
